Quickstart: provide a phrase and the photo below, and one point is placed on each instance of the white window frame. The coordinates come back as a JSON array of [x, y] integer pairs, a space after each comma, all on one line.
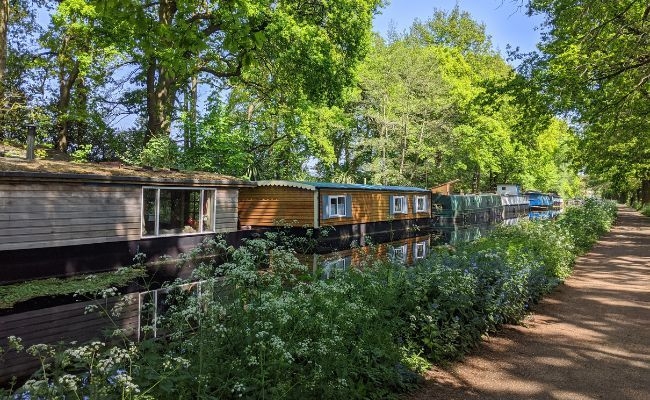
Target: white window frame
[[399, 253], [329, 204], [404, 203], [424, 204], [332, 267], [423, 247], [200, 231]]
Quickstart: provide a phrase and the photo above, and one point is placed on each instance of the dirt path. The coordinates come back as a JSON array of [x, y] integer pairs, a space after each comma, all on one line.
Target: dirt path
[[590, 339]]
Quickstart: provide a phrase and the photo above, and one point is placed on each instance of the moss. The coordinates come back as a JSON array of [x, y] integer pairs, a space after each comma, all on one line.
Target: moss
[[20, 292]]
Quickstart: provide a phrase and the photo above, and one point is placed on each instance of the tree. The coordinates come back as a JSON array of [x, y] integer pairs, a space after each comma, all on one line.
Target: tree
[[172, 41], [595, 62]]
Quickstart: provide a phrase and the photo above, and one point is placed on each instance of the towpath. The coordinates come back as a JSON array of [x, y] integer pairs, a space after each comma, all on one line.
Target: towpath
[[589, 339]]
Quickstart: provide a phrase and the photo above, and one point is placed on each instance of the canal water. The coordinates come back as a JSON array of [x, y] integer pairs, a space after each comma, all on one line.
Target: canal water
[[65, 319]]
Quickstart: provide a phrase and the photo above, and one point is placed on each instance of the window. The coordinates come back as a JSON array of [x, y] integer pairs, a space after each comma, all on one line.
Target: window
[[398, 253], [399, 205], [420, 250], [333, 267], [420, 204], [177, 211], [337, 206]]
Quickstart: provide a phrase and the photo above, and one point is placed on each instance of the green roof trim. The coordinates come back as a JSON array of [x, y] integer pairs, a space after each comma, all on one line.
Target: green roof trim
[[340, 186]]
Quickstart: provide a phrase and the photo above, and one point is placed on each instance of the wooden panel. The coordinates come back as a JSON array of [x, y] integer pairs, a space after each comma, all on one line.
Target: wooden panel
[[373, 206], [268, 205], [49, 215], [64, 242], [226, 204]]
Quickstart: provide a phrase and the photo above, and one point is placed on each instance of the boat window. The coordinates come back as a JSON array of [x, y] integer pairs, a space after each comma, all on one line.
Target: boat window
[[337, 206], [399, 205], [420, 203], [177, 211]]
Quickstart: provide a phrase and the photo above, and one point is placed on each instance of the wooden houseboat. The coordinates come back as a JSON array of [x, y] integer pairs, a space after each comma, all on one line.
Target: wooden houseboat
[[61, 219], [514, 202], [353, 210]]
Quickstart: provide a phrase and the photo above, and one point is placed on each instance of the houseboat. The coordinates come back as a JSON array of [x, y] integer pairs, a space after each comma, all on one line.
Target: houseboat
[[514, 202], [60, 219], [465, 208], [539, 201], [351, 210]]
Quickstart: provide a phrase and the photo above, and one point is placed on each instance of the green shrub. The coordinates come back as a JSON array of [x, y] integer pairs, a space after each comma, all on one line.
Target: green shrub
[[264, 328]]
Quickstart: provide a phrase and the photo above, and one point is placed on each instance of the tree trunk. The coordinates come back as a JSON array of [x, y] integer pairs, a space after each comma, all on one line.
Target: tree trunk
[[190, 103], [645, 191], [4, 25], [161, 92], [477, 180], [66, 83]]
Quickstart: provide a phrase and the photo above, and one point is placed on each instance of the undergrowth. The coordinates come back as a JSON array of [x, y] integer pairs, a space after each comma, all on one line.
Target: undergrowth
[[263, 327]]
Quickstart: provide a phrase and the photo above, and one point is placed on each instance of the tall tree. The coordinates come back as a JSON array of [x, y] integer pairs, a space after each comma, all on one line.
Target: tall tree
[[595, 61], [315, 43]]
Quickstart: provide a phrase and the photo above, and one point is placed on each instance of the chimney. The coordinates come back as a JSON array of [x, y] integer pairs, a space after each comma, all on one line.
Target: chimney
[[31, 138]]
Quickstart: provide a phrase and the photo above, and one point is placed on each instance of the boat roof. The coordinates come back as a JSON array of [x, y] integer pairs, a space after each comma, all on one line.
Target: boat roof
[[16, 169], [340, 186]]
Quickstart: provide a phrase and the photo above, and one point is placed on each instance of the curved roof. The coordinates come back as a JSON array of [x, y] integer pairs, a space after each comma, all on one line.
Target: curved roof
[[340, 186]]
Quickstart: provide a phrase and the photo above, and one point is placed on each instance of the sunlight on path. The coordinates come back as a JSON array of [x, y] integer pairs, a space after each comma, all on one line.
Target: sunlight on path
[[590, 339]]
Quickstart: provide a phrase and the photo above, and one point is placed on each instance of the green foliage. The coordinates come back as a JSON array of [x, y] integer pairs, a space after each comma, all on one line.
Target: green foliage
[[82, 154], [590, 65], [16, 293], [588, 222], [160, 152], [645, 210], [262, 327]]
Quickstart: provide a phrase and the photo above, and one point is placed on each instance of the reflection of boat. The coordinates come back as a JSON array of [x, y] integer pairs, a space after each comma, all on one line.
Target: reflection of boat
[[546, 214], [456, 234], [539, 200], [405, 251]]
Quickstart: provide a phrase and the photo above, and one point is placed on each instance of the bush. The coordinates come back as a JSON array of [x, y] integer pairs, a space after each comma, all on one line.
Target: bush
[[263, 327]]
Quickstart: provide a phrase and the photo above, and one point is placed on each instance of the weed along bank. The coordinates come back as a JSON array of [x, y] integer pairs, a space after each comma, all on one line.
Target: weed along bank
[[352, 210], [61, 219]]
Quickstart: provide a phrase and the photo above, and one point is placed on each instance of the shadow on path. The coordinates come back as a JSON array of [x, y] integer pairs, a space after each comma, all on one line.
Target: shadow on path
[[589, 339]]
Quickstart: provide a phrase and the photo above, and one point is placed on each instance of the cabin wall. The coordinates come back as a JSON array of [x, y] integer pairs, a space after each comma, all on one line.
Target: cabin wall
[[372, 206], [37, 215], [227, 200], [267, 205]]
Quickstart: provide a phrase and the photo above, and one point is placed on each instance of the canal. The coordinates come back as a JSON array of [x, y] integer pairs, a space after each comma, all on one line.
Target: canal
[[63, 319]]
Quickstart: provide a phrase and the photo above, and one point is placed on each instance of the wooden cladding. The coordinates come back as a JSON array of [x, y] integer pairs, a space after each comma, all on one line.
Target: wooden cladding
[[281, 205], [38, 215], [65, 323], [372, 206], [272, 206], [47, 215]]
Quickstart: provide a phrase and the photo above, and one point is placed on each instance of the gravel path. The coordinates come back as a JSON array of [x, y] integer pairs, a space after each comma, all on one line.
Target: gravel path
[[589, 339]]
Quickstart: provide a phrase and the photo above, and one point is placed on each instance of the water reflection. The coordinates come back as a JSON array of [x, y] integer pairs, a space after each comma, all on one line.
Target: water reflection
[[405, 251], [409, 249]]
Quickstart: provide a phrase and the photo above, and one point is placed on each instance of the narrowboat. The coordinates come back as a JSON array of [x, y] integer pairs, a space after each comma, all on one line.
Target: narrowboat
[[558, 201], [469, 208], [352, 210], [59, 218], [539, 201], [513, 201]]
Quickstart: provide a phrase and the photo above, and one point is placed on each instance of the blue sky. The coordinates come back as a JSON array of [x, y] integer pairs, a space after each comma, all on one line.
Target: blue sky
[[504, 20]]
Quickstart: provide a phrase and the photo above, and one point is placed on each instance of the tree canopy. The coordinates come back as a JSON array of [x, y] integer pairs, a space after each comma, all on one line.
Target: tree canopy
[[594, 63], [282, 90]]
